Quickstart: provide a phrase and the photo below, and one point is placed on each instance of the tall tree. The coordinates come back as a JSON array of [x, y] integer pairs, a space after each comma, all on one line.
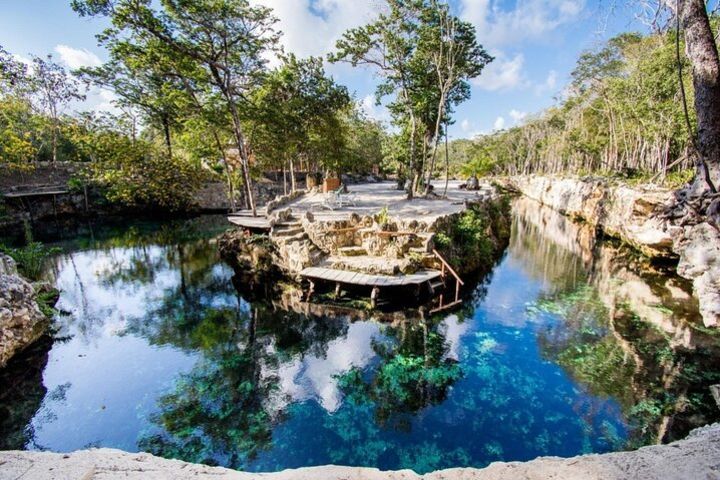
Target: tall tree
[[296, 101], [223, 44], [388, 45], [425, 56], [448, 46], [702, 52], [55, 90]]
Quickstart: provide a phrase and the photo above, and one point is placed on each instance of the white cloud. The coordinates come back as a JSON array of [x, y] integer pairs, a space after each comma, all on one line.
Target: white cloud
[[549, 85], [101, 99], [465, 125], [22, 59], [77, 58], [311, 27], [499, 123], [497, 26], [502, 73], [517, 116], [377, 112]]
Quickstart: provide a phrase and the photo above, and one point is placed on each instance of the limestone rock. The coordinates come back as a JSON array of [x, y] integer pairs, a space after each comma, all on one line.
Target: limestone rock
[[695, 457], [621, 211], [21, 321]]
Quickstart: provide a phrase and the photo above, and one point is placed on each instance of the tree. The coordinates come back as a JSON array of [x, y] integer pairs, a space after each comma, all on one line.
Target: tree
[[220, 45], [450, 47], [55, 89], [388, 44], [425, 55], [139, 84], [296, 106], [702, 52]]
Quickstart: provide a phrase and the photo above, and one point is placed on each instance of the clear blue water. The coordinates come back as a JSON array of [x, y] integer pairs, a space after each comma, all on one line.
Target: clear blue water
[[552, 354]]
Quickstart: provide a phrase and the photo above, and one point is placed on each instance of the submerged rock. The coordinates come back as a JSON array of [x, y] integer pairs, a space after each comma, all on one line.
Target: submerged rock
[[21, 321]]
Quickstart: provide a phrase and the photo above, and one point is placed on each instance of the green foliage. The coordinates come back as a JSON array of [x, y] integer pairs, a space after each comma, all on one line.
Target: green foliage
[[31, 257], [46, 300], [425, 57], [468, 241], [622, 118], [383, 216], [134, 172], [298, 112]]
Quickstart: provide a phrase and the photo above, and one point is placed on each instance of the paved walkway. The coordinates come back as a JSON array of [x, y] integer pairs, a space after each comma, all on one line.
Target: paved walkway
[[370, 198]]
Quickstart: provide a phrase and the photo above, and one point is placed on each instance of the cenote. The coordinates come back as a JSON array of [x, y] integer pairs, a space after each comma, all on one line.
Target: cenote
[[567, 346]]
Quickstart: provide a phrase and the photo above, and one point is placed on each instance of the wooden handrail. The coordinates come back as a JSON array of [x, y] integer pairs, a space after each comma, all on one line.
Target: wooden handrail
[[447, 265], [458, 280]]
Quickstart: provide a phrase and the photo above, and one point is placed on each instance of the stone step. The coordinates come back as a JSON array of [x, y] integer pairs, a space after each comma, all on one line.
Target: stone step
[[420, 250], [367, 264], [287, 232], [352, 251], [292, 238], [288, 224]]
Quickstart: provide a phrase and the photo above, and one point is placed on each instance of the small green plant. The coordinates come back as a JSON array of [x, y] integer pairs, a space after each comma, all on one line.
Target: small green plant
[[46, 300], [383, 216], [76, 184], [31, 258]]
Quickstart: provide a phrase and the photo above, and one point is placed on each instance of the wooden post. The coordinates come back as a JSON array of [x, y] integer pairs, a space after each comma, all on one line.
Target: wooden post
[[337, 289], [311, 290], [374, 294]]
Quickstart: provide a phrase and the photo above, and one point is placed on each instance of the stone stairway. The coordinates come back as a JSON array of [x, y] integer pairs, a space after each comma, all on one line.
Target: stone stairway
[[294, 244]]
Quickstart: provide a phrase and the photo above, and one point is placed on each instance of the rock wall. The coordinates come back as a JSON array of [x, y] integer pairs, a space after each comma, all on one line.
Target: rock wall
[[21, 321], [633, 214], [620, 211], [695, 457]]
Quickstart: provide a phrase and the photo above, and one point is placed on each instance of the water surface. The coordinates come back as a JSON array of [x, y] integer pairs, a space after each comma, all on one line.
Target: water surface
[[567, 346]]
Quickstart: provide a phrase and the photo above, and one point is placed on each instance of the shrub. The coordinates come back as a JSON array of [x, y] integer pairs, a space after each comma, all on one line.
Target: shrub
[[31, 258]]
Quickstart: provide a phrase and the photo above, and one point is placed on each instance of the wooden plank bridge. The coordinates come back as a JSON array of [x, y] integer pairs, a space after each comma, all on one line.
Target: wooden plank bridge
[[245, 219], [370, 280]]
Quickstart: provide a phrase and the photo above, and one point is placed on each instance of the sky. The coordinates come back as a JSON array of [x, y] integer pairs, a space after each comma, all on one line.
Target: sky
[[535, 44]]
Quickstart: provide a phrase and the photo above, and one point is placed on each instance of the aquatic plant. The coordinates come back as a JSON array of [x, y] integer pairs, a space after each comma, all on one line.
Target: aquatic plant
[[31, 257]]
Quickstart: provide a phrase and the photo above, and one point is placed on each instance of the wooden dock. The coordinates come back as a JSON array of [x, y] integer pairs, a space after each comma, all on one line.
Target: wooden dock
[[245, 219], [370, 280]]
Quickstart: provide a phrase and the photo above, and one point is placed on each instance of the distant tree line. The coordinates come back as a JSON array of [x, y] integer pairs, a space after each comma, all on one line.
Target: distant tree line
[[622, 114]]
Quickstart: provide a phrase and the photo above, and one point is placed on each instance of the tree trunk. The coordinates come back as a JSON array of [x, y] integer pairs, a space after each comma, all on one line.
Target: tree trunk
[[244, 158], [228, 176], [292, 176], [411, 170], [447, 161], [54, 140], [166, 131], [703, 54], [284, 179]]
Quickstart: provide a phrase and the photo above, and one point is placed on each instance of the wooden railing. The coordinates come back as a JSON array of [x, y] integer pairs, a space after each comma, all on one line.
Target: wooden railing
[[445, 267]]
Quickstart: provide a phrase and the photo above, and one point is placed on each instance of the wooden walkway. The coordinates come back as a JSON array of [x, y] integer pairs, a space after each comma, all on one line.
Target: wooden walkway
[[244, 218], [35, 193], [357, 278]]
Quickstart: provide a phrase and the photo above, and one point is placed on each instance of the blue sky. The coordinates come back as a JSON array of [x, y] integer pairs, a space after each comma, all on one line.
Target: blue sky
[[535, 42]]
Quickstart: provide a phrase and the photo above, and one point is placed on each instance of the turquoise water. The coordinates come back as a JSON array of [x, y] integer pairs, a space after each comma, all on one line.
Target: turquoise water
[[563, 348]]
